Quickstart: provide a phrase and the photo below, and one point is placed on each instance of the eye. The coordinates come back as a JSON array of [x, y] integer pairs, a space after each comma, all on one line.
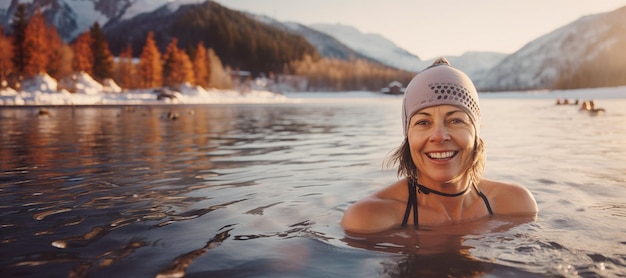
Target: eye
[[421, 122], [457, 121]]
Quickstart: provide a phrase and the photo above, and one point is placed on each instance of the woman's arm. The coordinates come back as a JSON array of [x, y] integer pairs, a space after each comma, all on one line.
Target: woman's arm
[[370, 215], [377, 212]]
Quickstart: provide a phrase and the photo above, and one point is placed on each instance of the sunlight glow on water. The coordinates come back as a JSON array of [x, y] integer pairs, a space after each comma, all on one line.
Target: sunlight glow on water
[[258, 190]]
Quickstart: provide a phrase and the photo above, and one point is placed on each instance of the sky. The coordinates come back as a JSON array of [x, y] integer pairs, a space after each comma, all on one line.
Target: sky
[[429, 28]]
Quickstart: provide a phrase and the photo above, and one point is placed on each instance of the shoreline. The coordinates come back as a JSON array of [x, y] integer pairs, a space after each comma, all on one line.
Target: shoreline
[[140, 98]]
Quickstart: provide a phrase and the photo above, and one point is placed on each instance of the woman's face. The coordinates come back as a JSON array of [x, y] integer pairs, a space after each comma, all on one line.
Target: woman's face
[[441, 139]]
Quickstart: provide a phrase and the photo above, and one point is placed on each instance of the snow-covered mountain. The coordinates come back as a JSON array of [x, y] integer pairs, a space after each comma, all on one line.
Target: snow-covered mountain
[[325, 44], [385, 51], [374, 46], [72, 17], [540, 62], [475, 64]]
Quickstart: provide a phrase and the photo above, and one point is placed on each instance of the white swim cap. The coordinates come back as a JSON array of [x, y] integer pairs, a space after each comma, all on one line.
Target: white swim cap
[[437, 85]]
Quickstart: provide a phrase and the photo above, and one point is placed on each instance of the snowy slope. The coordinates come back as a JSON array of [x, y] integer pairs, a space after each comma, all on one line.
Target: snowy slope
[[85, 15], [142, 6], [538, 64], [72, 17], [475, 64], [374, 46], [379, 48], [325, 44]]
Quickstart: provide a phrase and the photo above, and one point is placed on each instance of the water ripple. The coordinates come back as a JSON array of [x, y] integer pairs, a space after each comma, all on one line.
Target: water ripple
[[179, 265], [99, 191]]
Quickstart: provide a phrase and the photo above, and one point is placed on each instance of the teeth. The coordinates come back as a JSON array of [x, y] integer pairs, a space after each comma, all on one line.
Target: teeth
[[441, 155]]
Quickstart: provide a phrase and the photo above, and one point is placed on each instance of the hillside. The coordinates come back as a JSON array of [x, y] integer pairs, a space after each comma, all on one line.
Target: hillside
[[239, 40], [593, 45], [379, 48], [72, 17], [326, 45], [373, 45]]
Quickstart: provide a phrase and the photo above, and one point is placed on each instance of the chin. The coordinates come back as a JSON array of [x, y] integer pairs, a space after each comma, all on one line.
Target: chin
[[448, 177]]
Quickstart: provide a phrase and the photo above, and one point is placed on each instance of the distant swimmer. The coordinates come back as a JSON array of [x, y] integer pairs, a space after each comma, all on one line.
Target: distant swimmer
[[593, 108], [560, 101], [589, 105], [586, 106]]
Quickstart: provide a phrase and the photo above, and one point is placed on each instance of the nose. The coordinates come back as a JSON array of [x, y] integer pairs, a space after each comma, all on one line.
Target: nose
[[439, 133]]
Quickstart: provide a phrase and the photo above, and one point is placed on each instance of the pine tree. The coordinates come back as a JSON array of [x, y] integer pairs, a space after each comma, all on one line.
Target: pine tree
[[35, 45], [55, 53], [6, 65], [186, 67], [18, 27], [169, 63], [201, 66], [150, 69], [177, 67], [83, 55], [102, 57]]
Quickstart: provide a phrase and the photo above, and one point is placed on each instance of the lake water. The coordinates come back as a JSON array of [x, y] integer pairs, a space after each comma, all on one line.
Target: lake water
[[248, 190]]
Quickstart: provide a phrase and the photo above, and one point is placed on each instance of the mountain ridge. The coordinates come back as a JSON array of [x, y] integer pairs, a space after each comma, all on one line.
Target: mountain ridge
[[473, 63], [542, 62]]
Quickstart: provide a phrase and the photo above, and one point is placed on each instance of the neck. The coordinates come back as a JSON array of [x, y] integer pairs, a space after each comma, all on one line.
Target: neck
[[450, 204], [427, 190]]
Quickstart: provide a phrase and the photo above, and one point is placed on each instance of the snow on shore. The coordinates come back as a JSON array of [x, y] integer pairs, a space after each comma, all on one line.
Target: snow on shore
[[45, 90]]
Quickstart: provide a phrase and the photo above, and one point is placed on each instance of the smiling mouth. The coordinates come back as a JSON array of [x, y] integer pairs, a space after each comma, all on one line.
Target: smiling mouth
[[441, 155]]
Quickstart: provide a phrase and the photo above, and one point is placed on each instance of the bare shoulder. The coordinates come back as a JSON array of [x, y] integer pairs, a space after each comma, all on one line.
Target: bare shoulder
[[509, 198], [376, 212]]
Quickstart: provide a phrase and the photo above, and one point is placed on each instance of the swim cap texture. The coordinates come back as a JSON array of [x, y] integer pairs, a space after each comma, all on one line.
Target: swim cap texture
[[437, 85]]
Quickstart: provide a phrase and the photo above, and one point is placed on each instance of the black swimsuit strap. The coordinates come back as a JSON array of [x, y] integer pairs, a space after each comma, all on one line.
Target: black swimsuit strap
[[411, 203], [480, 193]]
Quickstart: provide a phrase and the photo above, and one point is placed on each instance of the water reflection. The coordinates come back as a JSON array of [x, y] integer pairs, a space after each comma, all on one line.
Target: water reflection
[[182, 262], [78, 184], [426, 254], [442, 251]]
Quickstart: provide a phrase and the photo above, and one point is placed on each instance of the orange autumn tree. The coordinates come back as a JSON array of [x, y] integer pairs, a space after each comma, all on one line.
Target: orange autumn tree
[[177, 67], [35, 45], [83, 56], [6, 65], [149, 68], [201, 66], [56, 54]]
